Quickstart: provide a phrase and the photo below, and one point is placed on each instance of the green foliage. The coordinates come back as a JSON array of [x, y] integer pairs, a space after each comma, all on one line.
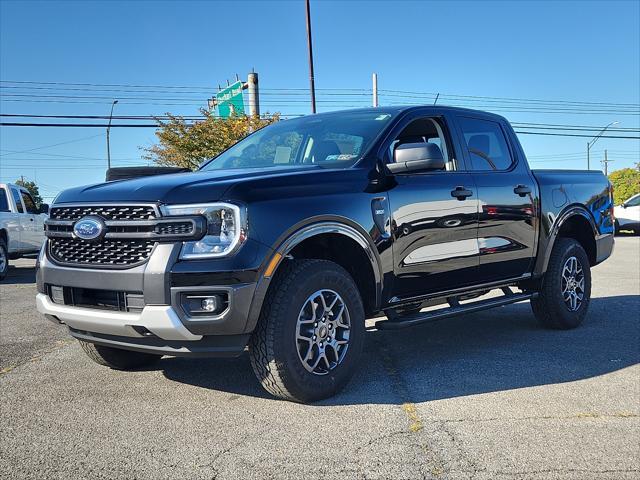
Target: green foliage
[[33, 190], [626, 182], [185, 145]]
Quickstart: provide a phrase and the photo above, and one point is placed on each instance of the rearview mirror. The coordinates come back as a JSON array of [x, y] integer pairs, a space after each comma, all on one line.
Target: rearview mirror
[[413, 157]]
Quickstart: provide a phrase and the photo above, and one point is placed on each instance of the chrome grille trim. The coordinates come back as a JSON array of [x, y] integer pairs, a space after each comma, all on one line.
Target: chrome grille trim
[[119, 211]]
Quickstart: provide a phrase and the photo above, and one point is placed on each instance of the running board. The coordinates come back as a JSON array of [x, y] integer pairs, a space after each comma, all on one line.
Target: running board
[[455, 308]]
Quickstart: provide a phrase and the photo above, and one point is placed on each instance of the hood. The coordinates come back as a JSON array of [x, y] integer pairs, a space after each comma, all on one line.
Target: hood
[[191, 187]]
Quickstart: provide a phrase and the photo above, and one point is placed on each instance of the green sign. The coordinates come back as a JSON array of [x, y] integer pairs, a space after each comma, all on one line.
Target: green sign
[[230, 101]]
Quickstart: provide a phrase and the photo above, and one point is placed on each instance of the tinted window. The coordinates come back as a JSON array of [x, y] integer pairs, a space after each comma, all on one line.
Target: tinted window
[[29, 203], [634, 202], [4, 203], [486, 144], [16, 198]]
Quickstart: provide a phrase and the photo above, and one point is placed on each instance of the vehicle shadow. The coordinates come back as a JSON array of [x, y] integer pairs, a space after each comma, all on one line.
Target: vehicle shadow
[[20, 275], [497, 350]]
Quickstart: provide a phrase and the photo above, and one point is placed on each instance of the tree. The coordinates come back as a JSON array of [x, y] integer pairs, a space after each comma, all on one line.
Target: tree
[[33, 190], [185, 145], [626, 182]]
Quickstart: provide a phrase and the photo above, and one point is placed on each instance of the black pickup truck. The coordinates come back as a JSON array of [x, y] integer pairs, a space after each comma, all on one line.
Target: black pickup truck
[[289, 240]]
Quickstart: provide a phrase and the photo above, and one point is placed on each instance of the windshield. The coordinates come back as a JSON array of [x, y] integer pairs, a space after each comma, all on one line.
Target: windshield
[[336, 140]]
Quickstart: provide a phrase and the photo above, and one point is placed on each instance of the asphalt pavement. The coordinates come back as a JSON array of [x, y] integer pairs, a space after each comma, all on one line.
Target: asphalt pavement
[[486, 396]]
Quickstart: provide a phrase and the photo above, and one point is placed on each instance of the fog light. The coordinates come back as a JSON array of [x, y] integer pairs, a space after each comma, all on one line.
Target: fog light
[[202, 304], [209, 304]]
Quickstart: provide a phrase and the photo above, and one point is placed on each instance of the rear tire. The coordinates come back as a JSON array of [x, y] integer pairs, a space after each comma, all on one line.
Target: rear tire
[[116, 358], [564, 297], [310, 333], [4, 260]]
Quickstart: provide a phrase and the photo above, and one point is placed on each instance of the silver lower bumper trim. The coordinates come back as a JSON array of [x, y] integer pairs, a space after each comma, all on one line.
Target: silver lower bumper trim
[[161, 320]]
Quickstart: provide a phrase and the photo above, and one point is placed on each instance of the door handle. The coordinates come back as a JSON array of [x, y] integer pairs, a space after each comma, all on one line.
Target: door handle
[[461, 193], [522, 190], [31, 219]]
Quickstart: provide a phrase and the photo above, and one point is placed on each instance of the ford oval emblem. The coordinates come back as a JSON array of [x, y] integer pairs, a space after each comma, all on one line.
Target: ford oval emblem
[[89, 228]]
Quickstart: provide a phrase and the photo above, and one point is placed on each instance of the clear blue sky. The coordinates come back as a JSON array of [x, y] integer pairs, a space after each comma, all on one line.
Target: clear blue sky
[[585, 51]]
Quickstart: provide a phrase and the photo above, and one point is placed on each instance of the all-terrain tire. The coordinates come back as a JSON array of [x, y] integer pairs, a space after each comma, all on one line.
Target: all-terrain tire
[[550, 307], [274, 346], [117, 358], [4, 260]]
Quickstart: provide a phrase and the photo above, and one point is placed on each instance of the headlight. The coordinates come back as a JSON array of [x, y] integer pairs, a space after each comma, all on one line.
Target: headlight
[[225, 230]]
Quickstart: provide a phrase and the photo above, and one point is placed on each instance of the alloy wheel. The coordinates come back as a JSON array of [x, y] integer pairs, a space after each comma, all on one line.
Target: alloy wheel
[[322, 332], [572, 284]]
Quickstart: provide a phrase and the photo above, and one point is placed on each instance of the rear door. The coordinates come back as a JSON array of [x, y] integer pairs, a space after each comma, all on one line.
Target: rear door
[[507, 220], [22, 220], [34, 222], [434, 215]]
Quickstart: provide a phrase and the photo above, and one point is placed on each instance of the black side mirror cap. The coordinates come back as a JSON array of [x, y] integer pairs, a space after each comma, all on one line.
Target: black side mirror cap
[[413, 157], [44, 208]]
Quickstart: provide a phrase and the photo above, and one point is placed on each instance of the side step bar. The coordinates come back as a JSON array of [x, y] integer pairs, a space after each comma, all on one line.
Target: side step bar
[[455, 308]]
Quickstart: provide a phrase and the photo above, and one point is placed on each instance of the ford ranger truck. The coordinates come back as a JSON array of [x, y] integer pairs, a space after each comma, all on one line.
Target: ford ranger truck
[[287, 242]]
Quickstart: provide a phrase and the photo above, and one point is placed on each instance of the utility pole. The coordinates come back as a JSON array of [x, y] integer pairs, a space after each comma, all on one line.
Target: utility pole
[[108, 130], [310, 48], [254, 100], [375, 89], [606, 163], [593, 141]]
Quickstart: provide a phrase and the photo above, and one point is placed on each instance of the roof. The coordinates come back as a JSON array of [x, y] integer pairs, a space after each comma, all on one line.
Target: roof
[[408, 108]]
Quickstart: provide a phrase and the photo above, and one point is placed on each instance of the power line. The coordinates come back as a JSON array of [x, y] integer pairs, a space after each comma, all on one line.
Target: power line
[[53, 145]]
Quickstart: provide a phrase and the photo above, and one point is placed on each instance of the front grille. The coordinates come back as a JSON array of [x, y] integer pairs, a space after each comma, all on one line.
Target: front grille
[[107, 253], [108, 212], [128, 236]]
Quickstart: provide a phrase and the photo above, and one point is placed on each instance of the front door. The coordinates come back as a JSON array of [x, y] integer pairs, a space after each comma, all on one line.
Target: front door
[[434, 218]]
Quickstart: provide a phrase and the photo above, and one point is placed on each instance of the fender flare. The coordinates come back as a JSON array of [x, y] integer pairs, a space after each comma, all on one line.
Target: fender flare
[[565, 215], [309, 229]]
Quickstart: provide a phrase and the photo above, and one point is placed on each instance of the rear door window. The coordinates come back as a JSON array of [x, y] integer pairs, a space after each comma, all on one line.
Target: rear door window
[[16, 198], [486, 144], [29, 203]]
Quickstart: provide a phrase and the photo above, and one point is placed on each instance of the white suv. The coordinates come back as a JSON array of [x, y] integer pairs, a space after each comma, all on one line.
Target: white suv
[[628, 215]]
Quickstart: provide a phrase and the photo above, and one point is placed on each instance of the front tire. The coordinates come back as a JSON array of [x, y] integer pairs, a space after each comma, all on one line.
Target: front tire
[[117, 358], [564, 297], [310, 333]]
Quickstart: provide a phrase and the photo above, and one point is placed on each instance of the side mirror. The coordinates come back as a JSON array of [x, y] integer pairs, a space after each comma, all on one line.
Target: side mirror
[[44, 208], [414, 157]]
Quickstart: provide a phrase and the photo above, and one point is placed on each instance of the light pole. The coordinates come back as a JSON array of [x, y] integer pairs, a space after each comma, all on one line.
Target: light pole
[[593, 141], [108, 130]]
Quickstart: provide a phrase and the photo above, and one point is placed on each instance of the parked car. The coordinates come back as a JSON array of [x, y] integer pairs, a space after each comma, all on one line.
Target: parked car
[[289, 240], [628, 215], [21, 225]]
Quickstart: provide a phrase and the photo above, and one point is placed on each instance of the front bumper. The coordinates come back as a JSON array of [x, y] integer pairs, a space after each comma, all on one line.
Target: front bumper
[[162, 326]]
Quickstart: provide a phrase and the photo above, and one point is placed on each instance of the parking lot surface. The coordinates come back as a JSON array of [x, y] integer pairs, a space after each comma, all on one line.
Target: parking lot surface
[[485, 396]]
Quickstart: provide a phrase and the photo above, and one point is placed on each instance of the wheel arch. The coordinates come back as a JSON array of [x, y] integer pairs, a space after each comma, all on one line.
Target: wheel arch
[[575, 222], [335, 238]]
